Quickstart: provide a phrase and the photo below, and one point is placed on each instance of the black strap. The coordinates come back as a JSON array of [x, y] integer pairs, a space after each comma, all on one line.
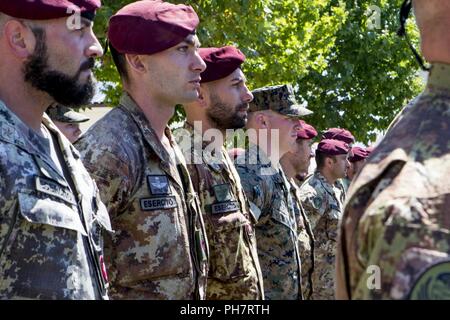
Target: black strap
[[404, 13]]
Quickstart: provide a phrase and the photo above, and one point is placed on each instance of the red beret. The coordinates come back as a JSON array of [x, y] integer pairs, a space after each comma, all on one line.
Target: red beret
[[306, 131], [339, 134], [358, 154], [48, 9], [148, 27], [220, 62], [333, 147]]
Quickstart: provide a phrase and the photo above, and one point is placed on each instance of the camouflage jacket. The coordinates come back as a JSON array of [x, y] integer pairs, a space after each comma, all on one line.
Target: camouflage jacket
[[234, 271], [50, 235], [276, 230], [323, 205], [395, 234], [159, 249], [305, 241]]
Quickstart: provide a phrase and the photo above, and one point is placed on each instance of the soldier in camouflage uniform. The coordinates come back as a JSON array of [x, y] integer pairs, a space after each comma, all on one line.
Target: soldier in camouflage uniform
[[293, 164], [51, 216], [345, 136], [159, 250], [323, 202], [268, 190], [395, 233], [234, 271]]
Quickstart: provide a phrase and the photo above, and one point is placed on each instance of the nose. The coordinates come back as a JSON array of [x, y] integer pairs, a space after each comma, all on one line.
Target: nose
[[198, 64], [248, 96], [94, 48]]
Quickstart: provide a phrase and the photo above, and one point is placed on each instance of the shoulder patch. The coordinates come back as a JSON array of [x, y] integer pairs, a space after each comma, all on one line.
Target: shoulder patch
[[433, 284]]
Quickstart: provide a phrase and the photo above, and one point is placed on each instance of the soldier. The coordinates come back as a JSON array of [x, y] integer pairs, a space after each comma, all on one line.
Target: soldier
[[296, 164], [159, 248], [51, 216], [323, 202], [67, 121], [272, 124], [234, 271], [347, 137], [395, 233], [357, 159]]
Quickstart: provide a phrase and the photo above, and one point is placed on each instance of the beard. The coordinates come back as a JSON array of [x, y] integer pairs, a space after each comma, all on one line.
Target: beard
[[224, 116], [64, 89]]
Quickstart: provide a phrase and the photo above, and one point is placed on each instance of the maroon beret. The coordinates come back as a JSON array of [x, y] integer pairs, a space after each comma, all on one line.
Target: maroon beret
[[148, 27], [333, 147], [358, 154], [369, 150], [220, 62], [48, 9], [339, 134], [306, 131]]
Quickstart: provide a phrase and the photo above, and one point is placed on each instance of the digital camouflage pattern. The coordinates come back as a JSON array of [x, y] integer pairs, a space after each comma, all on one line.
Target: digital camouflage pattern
[[276, 230], [159, 250], [50, 228], [305, 241], [323, 204], [280, 99], [397, 218], [234, 270]]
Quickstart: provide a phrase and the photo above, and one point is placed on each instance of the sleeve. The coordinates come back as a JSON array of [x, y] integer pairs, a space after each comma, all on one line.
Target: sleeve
[[314, 204], [111, 173]]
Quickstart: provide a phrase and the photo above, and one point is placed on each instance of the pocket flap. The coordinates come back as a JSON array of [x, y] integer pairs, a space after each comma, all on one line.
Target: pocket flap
[[50, 212]]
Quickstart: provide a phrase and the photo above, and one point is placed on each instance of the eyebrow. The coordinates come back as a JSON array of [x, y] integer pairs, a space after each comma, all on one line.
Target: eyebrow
[[190, 41], [239, 79], [86, 22]]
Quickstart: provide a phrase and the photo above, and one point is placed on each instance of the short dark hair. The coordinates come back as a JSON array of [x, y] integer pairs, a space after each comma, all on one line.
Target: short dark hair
[[120, 62], [320, 159]]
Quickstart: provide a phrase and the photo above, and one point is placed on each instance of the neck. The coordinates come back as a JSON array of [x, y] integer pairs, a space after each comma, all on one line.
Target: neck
[[288, 168], [264, 143], [207, 129], [328, 176], [26, 103], [158, 113]]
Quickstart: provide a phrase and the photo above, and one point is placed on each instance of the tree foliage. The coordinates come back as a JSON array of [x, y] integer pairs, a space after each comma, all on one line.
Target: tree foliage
[[350, 73]]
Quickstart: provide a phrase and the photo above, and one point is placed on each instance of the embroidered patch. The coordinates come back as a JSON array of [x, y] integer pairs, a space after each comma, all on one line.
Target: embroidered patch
[[225, 207], [433, 284], [158, 185], [150, 204], [52, 188], [223, 192]]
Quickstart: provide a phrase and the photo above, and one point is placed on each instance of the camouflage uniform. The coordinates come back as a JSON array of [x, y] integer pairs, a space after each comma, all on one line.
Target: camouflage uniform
[[323, 205], [51, 224], [305, 241], [159, 250], [276, 230], [397, 217], [234, 271]]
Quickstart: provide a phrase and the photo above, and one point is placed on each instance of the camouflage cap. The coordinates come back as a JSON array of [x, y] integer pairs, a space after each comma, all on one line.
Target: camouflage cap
[[280, 99], [64, 114]]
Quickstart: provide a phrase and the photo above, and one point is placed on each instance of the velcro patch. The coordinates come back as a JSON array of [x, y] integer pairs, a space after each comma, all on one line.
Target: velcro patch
[[52, 188], [224, 207], [158, 184], [150, 204]]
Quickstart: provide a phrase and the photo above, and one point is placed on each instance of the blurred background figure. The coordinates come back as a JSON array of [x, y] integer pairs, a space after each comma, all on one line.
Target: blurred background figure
[[67, 120]]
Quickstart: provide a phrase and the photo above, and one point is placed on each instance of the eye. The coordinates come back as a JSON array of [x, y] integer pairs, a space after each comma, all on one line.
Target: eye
[[183, 49]]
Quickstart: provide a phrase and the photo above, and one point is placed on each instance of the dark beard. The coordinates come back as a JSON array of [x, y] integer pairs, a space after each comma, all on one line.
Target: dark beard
[[223, 117], [63, 89]]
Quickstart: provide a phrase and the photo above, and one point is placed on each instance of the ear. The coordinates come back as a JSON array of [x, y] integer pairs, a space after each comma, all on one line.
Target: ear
[[135, 63], [20, 38], [262, 120]]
